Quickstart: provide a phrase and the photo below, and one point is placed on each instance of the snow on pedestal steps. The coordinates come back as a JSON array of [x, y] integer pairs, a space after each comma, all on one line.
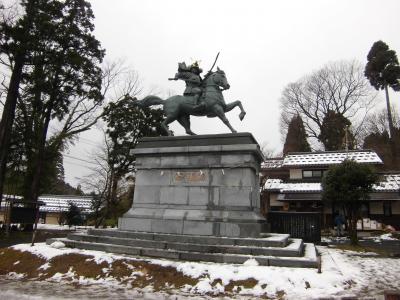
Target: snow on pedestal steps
[[269, 250]]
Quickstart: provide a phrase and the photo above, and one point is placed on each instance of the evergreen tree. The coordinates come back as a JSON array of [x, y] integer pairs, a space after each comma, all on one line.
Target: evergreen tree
[[296, 138], [383, 71], [333, 132], [62, 64], [16, 40], [126, 124], [349, 185], [73, 216], [382, 68]]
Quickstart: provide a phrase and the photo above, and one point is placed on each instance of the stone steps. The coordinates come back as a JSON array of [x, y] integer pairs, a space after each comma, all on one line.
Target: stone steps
[[293, 249], [309, 260], [268, 250], [267, 240]]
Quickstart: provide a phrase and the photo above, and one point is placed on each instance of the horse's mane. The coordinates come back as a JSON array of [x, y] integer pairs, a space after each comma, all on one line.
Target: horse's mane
[[209, 73]]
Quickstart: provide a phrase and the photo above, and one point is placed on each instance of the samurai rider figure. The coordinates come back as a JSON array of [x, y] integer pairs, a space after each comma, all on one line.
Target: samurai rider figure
[[191, 76]]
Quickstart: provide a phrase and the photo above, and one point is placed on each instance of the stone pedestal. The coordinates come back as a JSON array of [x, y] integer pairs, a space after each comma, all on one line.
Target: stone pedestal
[[198, 185]]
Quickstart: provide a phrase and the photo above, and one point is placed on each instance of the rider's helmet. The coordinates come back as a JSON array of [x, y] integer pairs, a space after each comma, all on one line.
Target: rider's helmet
[[194, 68]]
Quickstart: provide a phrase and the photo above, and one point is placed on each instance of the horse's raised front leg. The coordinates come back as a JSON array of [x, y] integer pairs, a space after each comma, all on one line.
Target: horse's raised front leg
[[232, 105], [218, 110]]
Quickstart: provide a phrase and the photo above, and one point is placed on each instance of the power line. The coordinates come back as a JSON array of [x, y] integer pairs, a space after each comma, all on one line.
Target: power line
[[76, 158], [75, 164]]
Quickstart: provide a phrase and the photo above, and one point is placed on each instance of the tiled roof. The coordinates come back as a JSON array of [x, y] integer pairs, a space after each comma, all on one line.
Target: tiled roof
[[57, 203], [301, 187], [61, 203], [273, 184], [391, 183], [330, 158], [272, 163]]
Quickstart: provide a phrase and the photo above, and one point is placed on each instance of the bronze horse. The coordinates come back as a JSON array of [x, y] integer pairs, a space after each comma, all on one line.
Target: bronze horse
[[212, 103]]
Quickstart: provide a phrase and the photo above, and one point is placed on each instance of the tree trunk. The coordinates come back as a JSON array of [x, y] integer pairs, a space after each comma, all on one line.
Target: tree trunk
[[8, 116], [114, 187], [37, 172], [391, 129], [353, 217]]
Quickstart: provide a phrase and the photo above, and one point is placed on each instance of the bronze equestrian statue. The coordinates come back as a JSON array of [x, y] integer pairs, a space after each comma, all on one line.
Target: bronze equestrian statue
[[202, 97]]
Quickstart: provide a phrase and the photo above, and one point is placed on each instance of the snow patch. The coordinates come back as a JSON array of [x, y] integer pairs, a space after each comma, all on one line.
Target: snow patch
[[343, 274], [251, 262], [16, 276], [44, 266], [57, 245]]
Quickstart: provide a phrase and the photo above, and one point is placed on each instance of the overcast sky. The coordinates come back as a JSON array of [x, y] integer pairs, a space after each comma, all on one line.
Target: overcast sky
[[264, 45]]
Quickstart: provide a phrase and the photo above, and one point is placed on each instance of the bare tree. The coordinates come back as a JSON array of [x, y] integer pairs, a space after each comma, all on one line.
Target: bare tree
[[339, 86], [107, 194], [377, 122], [268, 151], [108, 189], [118, 80], [376, 136], [98, 182]]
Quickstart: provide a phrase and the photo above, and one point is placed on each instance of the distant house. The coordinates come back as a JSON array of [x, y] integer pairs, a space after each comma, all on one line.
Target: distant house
[[55, 206], [294, 184]]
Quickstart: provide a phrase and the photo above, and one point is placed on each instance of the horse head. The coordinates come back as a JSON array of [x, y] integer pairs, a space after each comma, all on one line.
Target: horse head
[[218, 78]]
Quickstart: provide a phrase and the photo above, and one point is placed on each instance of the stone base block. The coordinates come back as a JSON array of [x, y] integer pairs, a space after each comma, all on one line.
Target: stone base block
[[202, 185], [203, 228]]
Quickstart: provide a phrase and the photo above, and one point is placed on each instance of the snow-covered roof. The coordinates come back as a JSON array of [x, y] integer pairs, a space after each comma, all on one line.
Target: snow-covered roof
[[330, 158], [59, 203], [301, 187], [391, 183], [55, 203], [273, 184], [285, 187], [272, 163]]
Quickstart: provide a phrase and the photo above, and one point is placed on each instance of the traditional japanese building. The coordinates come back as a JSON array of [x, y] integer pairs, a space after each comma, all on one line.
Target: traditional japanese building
[[54, 207], [294, 185]]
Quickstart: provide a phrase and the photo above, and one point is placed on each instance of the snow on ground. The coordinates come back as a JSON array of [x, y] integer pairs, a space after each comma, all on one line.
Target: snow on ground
[[61, 227], [344, 273], [377, 238], [383, 237]]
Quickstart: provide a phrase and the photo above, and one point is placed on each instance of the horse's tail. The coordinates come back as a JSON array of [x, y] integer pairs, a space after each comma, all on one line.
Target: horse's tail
[[149, 101]]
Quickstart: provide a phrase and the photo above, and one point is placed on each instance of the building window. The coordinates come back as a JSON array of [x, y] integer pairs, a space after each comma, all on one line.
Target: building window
[[387, 208], [313, 173], [364, 210]]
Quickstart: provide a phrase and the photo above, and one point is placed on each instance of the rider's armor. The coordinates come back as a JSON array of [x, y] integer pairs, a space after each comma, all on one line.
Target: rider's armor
[[191, 76]]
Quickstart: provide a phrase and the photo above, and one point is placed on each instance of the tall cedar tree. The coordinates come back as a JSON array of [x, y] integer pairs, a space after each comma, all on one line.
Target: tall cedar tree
[[64, 63], [16, 41], [383, 71], [296, 138], [126, 124], [333, 132], [348, 185]]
